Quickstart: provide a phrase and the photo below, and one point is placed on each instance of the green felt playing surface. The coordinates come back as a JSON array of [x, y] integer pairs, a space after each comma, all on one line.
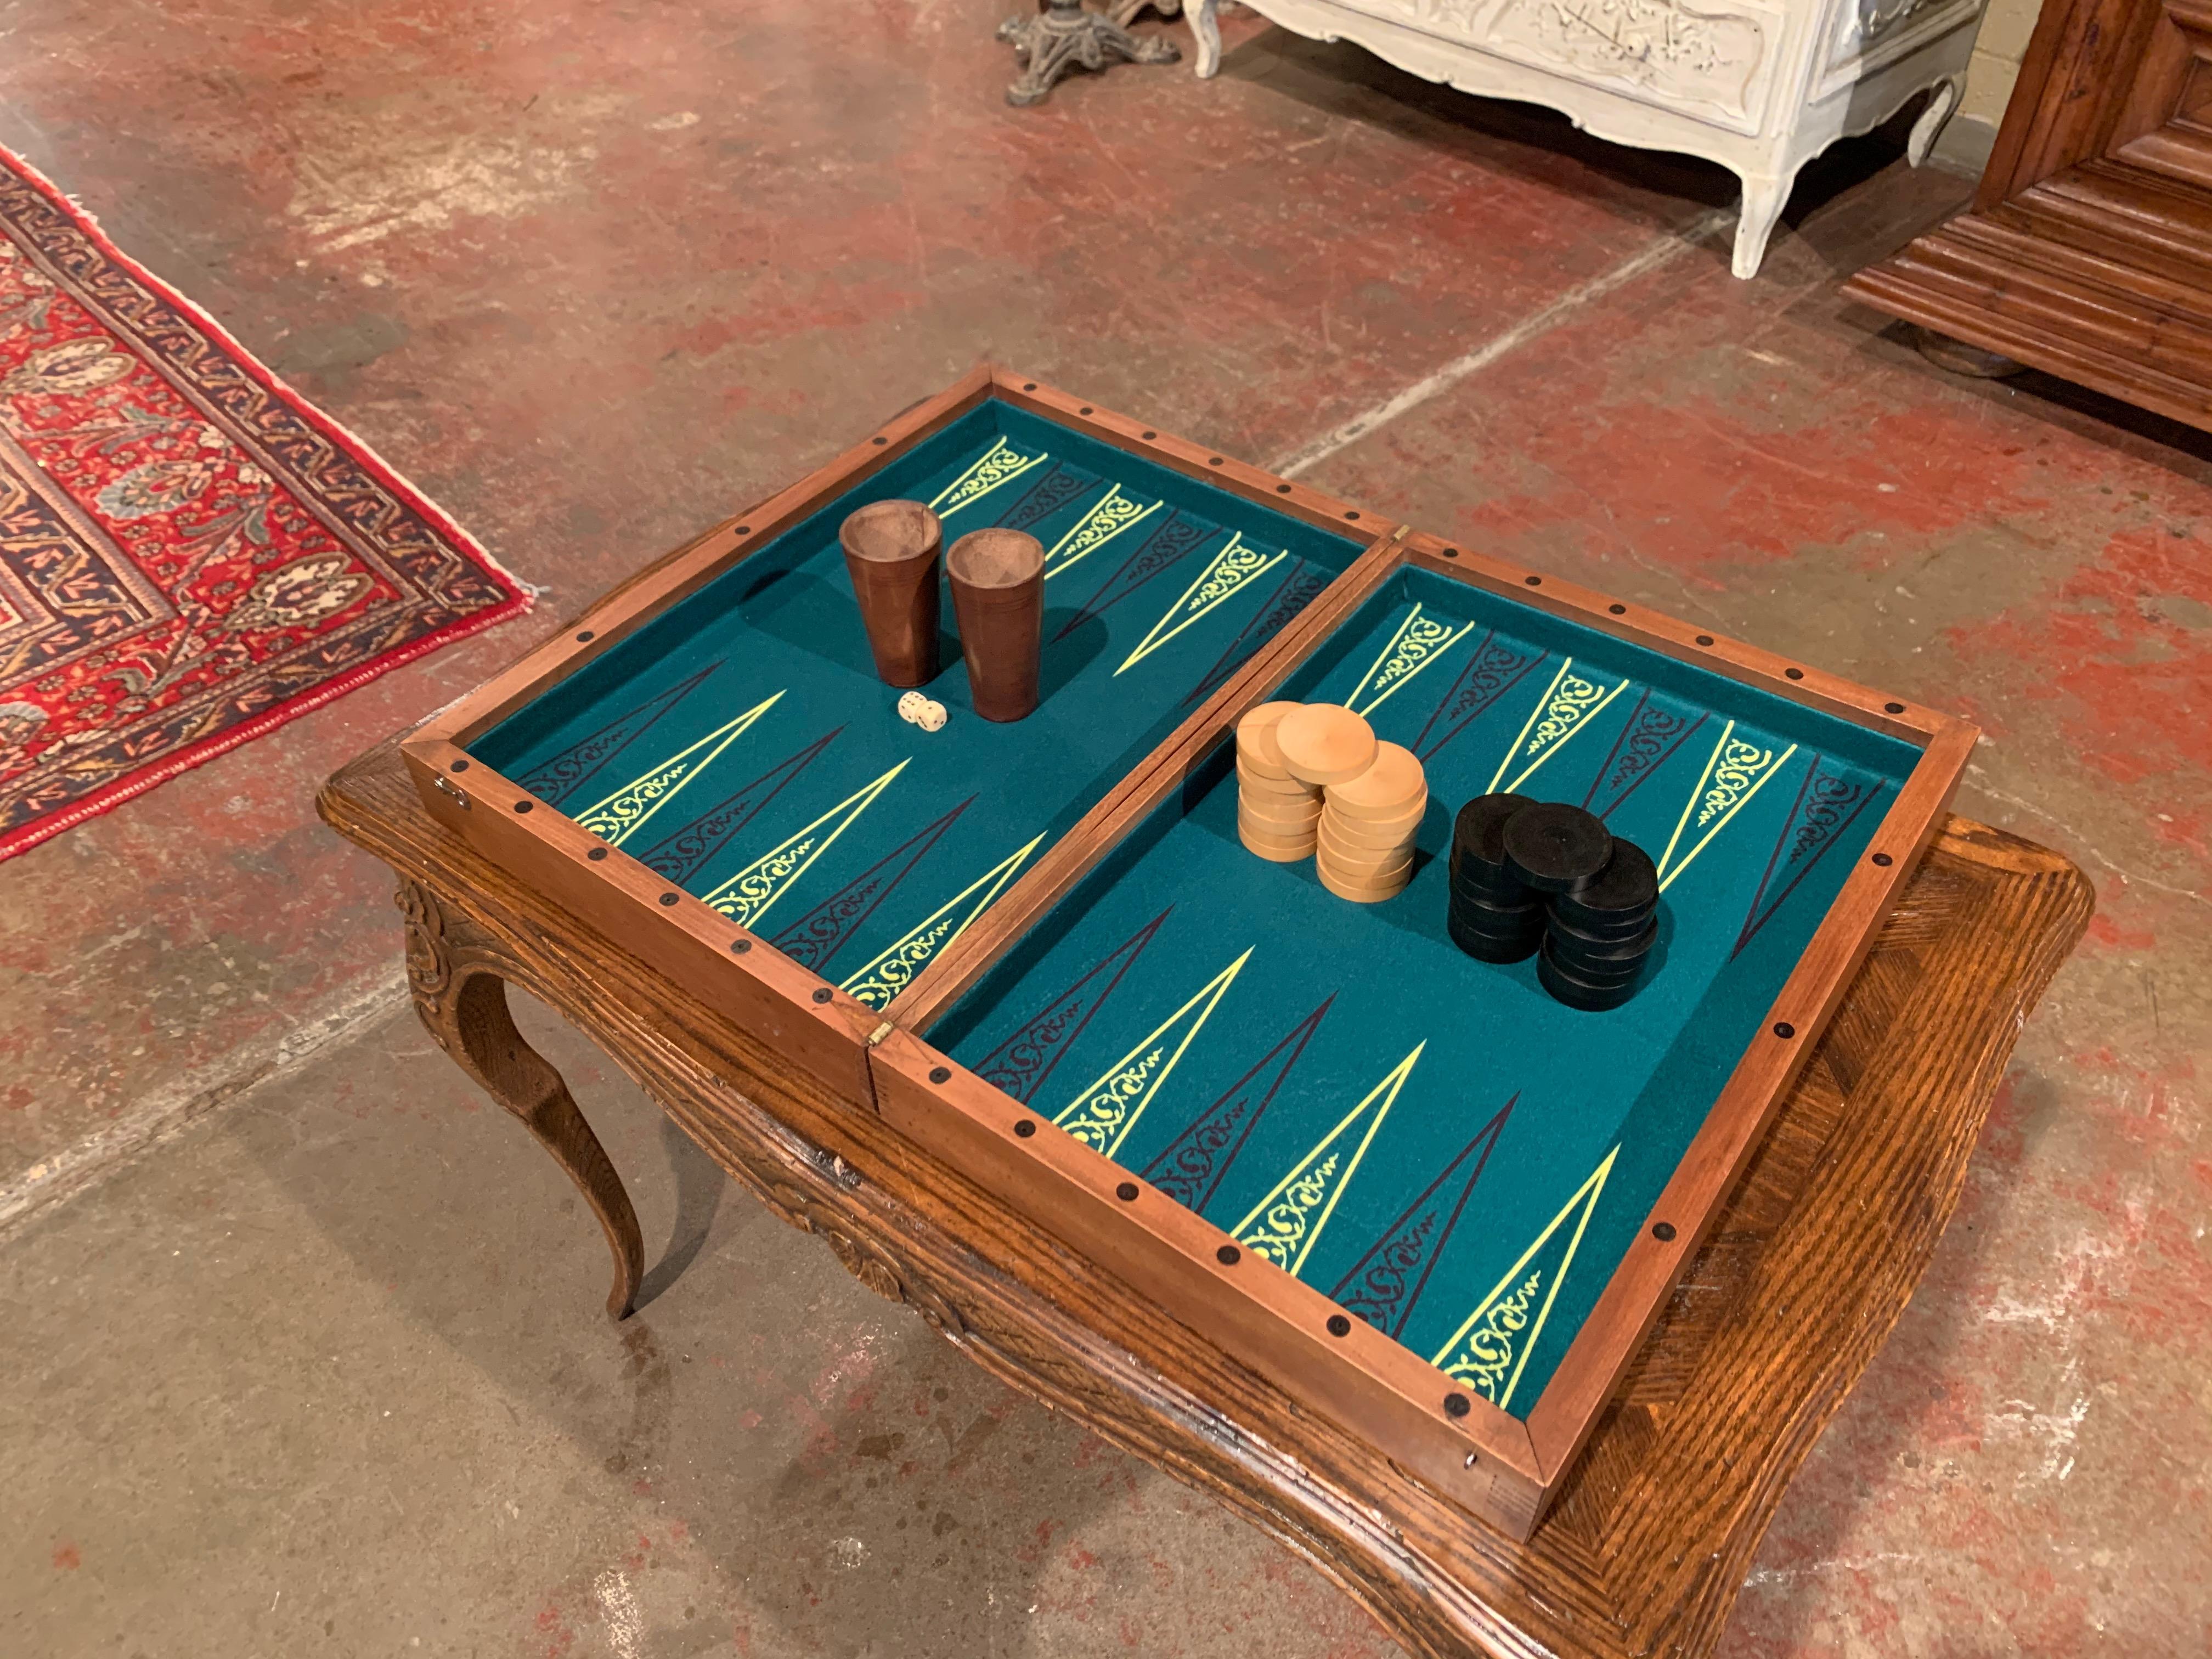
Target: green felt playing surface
[[741, 746], [1430, 1139]]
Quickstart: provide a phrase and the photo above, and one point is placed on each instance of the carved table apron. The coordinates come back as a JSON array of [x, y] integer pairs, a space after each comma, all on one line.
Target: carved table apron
[[1759, 86], [1805, 1274]]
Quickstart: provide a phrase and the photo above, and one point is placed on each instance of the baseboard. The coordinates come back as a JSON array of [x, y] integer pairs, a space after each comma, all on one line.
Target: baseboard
[[1964, 145]]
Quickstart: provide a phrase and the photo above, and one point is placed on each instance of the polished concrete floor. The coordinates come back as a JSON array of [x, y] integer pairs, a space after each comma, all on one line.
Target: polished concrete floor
[[299, 1347]]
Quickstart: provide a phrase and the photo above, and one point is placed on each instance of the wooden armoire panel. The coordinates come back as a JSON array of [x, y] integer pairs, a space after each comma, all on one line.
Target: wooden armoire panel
[[2088, 252]]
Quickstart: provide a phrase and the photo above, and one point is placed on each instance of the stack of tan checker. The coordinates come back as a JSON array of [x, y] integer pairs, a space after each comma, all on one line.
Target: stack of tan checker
[[1311, 780], [1368, 823], [1277, 816]]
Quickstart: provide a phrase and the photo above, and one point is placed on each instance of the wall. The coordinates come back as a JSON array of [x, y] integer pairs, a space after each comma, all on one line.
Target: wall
[[1997, 51]]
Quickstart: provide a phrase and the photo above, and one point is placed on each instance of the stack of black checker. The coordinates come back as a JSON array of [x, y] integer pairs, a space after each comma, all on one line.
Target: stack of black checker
[[1544, 880], [1494, 916]]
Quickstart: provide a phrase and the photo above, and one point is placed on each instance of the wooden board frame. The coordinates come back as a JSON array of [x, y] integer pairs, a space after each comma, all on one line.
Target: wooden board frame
[[819, 1027], [1503, 1469]]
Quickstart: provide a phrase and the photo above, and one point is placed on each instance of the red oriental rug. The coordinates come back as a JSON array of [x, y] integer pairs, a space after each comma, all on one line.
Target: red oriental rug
[[190, 553]]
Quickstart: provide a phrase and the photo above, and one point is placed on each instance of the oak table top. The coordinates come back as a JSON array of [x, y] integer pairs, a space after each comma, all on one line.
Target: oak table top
[[1803, 1278]]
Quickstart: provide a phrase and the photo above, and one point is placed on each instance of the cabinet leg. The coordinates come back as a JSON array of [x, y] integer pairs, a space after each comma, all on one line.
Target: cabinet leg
[[1764, 198], [463, 1002], [1205, 33], [1929, 126], [1959, 357]]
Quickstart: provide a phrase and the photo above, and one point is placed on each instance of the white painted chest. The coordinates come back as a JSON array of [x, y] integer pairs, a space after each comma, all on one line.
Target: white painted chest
[[1759, 86]]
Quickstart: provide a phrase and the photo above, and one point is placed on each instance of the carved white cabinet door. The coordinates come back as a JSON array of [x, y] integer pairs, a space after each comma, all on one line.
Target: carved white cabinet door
[[1759, 86]]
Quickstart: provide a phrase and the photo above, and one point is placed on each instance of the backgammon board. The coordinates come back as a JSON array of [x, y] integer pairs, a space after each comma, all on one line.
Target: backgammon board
[[1409, 1187]]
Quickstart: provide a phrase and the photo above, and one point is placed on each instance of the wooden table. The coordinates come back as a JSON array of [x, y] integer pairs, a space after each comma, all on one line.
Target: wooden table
[[1808, 1268]]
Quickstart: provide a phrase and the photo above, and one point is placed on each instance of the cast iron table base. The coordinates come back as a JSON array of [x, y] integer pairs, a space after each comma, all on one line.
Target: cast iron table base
[[1051, 42]]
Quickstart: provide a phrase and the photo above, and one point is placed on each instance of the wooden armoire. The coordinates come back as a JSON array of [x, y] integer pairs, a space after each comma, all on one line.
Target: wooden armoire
[[2088, 252]]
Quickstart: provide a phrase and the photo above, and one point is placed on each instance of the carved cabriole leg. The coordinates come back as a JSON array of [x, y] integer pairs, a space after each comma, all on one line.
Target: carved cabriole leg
[[461, 995], [1930, 125], [1205, 31], [1764, 198]]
